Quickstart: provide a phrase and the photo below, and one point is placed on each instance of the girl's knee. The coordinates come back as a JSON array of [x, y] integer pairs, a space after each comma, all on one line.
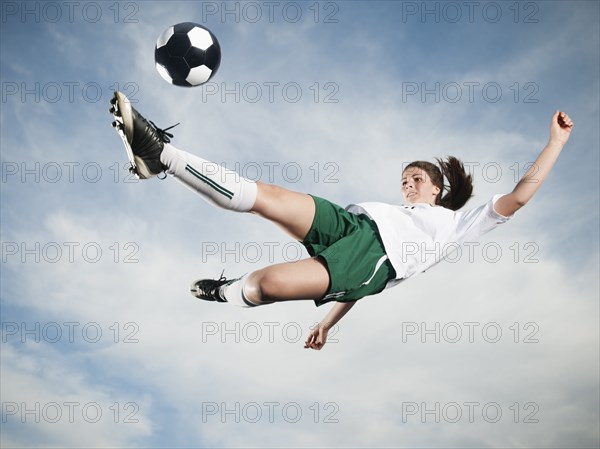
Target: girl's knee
[[271, 285], [264, 285]]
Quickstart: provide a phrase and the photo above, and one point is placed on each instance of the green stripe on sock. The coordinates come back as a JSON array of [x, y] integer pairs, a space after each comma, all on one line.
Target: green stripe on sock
[[220, 189]]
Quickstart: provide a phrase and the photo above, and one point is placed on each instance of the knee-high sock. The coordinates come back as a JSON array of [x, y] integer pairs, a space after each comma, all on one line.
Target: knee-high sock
[[234, 293], [216, 184]]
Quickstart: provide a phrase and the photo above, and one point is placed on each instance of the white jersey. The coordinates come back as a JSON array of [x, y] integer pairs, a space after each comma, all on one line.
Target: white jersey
[[417, 236]]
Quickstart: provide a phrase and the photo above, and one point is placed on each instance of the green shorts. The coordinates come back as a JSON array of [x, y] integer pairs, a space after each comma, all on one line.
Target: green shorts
[[352, 250]]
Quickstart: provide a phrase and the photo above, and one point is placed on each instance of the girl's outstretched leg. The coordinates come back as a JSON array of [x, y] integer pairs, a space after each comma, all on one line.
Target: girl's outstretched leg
[[292, 211], [216, 184], [151, 153]]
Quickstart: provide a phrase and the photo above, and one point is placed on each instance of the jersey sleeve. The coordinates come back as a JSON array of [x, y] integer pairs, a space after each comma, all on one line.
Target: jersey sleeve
[[472, 224]]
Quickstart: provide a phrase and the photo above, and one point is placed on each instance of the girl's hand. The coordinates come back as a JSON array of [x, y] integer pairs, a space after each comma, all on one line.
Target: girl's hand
[[317, 338], [560, 128]]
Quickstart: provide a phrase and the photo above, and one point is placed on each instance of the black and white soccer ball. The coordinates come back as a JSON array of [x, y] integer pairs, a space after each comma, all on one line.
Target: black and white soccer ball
[[187, 54]]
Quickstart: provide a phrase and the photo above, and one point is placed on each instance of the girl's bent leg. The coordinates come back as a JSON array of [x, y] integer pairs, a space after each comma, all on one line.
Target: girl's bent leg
[[304, 279]]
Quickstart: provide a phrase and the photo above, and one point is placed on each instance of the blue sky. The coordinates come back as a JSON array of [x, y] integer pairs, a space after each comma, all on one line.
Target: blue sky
[[102, 345]]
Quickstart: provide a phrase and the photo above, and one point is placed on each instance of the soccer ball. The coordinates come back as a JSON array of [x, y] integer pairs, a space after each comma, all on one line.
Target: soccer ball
[[187, 54]]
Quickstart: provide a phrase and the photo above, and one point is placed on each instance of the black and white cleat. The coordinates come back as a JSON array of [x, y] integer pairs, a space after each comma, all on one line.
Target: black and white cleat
[[142, 139]]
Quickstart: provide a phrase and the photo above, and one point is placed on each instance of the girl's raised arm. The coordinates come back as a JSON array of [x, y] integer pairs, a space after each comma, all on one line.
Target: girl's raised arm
[[560, 130]]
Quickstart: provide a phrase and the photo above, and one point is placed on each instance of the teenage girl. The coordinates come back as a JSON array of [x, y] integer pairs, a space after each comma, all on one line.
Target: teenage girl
[[355, 251]]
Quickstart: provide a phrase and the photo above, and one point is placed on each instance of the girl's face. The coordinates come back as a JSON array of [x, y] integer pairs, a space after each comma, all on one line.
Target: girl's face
[[417, 186]]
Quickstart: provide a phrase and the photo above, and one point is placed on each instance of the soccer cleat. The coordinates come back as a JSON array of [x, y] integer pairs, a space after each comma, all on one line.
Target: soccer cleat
[[143, 140], [210, 289]]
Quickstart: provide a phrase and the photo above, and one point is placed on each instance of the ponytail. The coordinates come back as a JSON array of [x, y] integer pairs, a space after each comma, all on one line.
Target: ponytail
[[461, 184], [460, 187]]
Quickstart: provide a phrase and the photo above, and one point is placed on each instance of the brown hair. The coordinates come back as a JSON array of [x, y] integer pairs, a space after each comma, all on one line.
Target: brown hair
[[460, 187]]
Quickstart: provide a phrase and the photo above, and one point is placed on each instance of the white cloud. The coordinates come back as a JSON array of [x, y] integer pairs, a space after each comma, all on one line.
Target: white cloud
[[51, 401]]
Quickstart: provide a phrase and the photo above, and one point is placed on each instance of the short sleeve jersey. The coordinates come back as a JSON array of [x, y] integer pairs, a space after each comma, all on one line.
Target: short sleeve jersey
[[418, 236]]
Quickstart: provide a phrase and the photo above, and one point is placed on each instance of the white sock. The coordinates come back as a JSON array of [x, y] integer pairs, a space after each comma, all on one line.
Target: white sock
[[216, 184], [234, 293]]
